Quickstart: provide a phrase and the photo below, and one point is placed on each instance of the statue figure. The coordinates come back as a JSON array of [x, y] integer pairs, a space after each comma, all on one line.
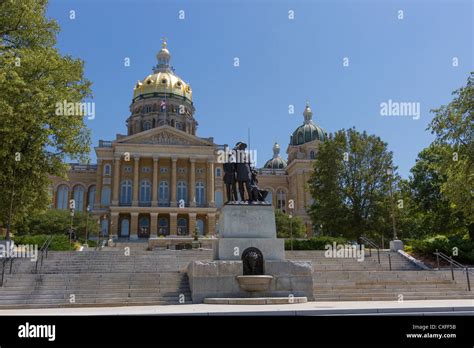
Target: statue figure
[[244, 175], [229, 179], [257, 194]]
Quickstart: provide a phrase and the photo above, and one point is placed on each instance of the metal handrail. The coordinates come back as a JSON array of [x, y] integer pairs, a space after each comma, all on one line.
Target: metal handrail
[[43, 250], [4, 261], [453, 263], [372, 244]]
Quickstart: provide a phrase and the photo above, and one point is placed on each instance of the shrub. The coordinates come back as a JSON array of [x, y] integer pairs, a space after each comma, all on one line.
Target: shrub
[[314, 243], [446, 245], [59, 243], [57, 222]]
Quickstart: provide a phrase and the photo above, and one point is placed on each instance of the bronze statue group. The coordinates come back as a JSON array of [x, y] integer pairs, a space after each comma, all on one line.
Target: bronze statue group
[[238, 172]]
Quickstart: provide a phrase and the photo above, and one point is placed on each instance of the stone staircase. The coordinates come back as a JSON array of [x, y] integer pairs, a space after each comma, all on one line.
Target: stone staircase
[[97, 278], [343, 279], [111, 278]]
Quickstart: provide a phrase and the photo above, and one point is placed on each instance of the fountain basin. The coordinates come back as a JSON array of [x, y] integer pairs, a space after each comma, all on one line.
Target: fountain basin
[[254, 283]]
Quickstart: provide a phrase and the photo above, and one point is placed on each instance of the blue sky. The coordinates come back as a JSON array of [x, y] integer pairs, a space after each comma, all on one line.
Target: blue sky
[[282, 62]]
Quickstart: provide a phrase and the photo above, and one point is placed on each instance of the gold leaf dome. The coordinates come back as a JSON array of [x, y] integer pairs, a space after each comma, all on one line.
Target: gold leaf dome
[[163, 80]]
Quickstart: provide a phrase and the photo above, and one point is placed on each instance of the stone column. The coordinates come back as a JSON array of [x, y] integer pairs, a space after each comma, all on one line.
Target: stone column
[[154, 193], [192, 182], [116, 174], [299, 190], [192, 223], [210, 183], [211, 223], [98, 187], [173, 223], [173, 181], [153, 225], [114, 222], [134, 226], [136, 173]]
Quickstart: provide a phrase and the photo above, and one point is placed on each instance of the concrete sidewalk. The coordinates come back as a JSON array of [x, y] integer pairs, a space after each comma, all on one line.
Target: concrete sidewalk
[[434, 307]]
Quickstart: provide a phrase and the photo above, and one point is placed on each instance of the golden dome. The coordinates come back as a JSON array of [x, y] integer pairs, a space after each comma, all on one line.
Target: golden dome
[[163, 80]]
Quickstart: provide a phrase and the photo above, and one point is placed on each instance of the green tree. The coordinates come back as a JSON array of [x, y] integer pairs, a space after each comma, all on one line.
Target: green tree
[[34, 77], [287, 227], [453, 125], [350, 185], [426, 210]]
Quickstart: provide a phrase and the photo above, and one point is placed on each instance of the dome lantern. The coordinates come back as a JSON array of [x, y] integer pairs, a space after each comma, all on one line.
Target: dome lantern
[[276, 150], [163, 57], [308, 114]]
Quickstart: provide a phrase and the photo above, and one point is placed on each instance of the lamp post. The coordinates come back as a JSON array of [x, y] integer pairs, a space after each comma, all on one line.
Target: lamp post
[[291, 231], [98, 233], [390, 175], [88, 209], [70, 229], [10, 212]]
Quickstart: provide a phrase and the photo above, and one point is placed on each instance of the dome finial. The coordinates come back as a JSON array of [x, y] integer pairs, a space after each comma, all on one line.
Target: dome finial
[[163, 42], [308, 114]]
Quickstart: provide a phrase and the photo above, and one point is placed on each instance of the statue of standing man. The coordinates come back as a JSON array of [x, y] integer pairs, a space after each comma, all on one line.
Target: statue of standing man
[[243, 170], [230, 178]]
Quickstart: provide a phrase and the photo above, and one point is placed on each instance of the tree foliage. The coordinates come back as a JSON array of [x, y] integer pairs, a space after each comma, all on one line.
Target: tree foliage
[[34, 76], [453, 125], [350, 185], [57, 222], [426, 210]]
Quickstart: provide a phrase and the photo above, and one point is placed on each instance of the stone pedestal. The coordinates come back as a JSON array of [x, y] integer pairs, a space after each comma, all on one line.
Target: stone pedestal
[[396, 245], [243, 227]]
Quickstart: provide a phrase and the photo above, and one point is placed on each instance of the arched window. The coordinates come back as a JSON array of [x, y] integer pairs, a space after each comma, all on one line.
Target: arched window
[[143, 227], [218, 172], [78, 195], [281, 199], [91, 197], [269, 198], [164, 194], [107, 169], [163, 227], [147, 125], [62, 197], [105, 199], [200, 226], [126, 192], [200, 194], [312, 155], [125, 228], [145, 192], [182, 227], [219, 199], [182, 191]]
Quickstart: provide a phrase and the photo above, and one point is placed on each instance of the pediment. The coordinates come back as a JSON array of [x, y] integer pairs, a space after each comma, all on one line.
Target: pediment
[[165, 135]]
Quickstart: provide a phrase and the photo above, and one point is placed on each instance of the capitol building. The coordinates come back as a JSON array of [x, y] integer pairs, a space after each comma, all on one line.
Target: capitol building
[[162, 179]]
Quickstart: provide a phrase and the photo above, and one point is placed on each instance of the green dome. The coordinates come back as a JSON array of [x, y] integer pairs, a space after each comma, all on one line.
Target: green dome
[[308, 131], [276, 162]]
